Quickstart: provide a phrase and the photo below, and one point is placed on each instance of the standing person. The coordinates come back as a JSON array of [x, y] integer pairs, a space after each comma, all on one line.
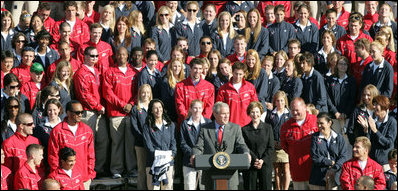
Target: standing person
[[107, 22], [90, 15], [136, 59], [328, 42], [361, 164], [18, 42], [122, 36], [209, 22], [175, 15], [48, 92], [273, 81], [385, 19], [342, 15], [65, 31], [23, 71], [328, 153], [7, 30], [362, 49], [279, 65], [148, 10], [29, 175], [15, 146], [214, 59], [138, 116], [280, 32], [224, 74], [73, 133], [391, 175], [23, 25], [11, 89], [240, 46], [158, 133], [295, 140], [223, 37], [255, 34], [150, 74], [123, 8], [35, 84], [194, 87], [6, 176], [381, 130], [269, 15], [66, 174], [307, 32], [162, 33], [87, 91], [137, 28], [371, 16], [189, 133], [238, 94], [240, 22], [179, 54], [43, 53], [225, 133], [119, 86], [260, 141], [206, 45], [62, 79], [331, 25], [292, 86], [11, 112], [36, 25], [257, 75]]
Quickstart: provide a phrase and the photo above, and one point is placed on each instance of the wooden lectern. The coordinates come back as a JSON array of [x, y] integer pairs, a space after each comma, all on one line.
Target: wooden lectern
[[221, 177]]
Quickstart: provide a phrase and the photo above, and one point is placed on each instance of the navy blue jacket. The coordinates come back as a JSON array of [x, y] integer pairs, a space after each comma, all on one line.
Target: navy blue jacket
[[218, 82], [322, 157], [167, 96], [163, 41], [354, 129], [188, 137], [137, 38], [6, 130], [277, 122], [107, 35], [338, 32], [147, 9], [279, 35], [321, 63], [156, 139], [65, 96], [261, 85], [382, 78], [374, 29], [261, 44], [6, 43], [309, 37], [314, 91], [137, 125], [341, 95], [218, 44], [293, 87], [383, 140], [179, 18], [183, 29], [273, 86], [280, 75], [209, 29], [51, 57], [151, 79], [390, 179], [232, 7], [125, 11]]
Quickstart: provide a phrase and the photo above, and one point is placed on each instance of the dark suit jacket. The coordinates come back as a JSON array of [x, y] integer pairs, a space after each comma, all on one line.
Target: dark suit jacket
[[232, 136]]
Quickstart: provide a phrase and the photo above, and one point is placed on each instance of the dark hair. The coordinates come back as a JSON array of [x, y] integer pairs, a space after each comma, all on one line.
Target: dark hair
[[332, 10], [150, 119], [66, 152], [6, 54], [44, 6], [135, 49], [88, 50], [16, 37], [27, 49], [9, 78], [55, 102], [367, 182], [70, 3], [307, 57], [203, 37], [31, 20], [62, 25], [325, 116], [43, 34], [239, 66], [44, 94], [196, 61], [279, 8], [150, 53], [392, 154], [7, 105], [95, 26], [70, 104]]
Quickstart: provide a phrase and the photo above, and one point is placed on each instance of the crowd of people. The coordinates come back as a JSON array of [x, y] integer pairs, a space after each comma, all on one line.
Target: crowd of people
[[307, 90]]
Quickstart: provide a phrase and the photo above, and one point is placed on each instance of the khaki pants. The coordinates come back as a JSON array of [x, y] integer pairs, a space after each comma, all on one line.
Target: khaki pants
[[190, 178], [101, 139], [170, 176], [304, 185], [141, 165], [118, 125], [18, 6], [87, 185]]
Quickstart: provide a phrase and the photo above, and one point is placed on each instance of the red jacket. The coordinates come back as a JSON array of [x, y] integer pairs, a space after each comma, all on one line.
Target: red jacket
[[15, 150], [105, 53], [238, 101], [2, 78], [347, 48], [342, 20], [233, 58], [49, 24], [30, 90], [296, 141], [94, 18], [74, 46], [120, 89], [263, 4], [22, 72], [6, 178], [369, 19], [76, 64], [350, 172], [358, 67], [26, 178], [68, 183], [80, 33], [83, 144], [186, 92], [87, 88]]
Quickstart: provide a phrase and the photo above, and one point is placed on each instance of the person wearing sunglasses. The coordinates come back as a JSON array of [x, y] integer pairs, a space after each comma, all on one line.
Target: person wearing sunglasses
[[11, 89], [191, 29], [206, 45], [18, 43], [162, 33], [79, 137], [15, 146], [11, 112]]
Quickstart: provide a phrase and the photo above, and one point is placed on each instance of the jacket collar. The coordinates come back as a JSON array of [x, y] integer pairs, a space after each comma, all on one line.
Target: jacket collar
[[190, 122], [332, 134]]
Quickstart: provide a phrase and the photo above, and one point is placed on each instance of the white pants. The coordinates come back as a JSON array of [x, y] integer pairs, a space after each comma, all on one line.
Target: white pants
[[190, 178]]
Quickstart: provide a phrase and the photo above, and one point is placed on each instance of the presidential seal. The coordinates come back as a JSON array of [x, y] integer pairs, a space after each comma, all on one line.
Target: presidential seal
[[221, 160]]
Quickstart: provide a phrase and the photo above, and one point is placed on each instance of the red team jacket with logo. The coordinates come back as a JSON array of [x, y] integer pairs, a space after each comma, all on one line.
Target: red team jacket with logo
[[296, 141], [347, 48], [80, 33], [68, 183], [83, 144], [6, 178], [104, 55], [30, 90], [238, 101], [22, 72], [358, 67], [26, 178], [342, 20], [87, 88]]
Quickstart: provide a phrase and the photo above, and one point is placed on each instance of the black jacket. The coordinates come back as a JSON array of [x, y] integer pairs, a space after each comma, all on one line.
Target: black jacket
[[279, 35], [341, 95], [382, 78], [260, 141], [314, 91]]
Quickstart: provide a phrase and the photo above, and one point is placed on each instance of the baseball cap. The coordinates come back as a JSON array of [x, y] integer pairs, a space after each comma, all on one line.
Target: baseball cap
[[36, 68]]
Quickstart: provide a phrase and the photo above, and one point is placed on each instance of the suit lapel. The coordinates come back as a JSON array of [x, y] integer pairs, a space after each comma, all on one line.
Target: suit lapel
[[212, 132]]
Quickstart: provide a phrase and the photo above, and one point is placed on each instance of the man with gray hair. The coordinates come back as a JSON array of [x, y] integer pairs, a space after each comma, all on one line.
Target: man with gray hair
[[220, 133], [365, 183]]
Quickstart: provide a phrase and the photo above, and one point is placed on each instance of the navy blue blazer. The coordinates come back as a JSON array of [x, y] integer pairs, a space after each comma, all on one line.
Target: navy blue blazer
[[293, 87], [6, 43], [383, 140], [183, 29], [261, 44], [261, 85], [188, 138], [322, 156], [164, 42], [314, 91], [279, 36], [209, 29], [50, 57], [273, 86], [382, 78], [309, 37], [218, 44], [137, 124], [341, 96]]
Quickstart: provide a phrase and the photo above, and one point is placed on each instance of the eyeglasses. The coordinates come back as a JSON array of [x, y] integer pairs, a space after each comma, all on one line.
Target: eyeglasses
[[14, 106], [191, 10], [20, 41], [164, 15], [28, 124], [94, 56], [14, 87], [77, 112], [204, 43]]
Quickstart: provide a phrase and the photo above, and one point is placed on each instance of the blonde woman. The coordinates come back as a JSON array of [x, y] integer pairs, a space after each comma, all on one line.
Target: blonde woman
[[137, 27], [385, 39], [256, 35], [257, 75], [162, 33], [279, 69], [107, 21], [7, 30], [24, 20], [224, 35], [62, 79]]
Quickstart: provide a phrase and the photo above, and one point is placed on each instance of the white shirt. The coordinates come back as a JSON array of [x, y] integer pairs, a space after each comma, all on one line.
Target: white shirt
[[374, 66], [121, 7], [378, 123], [196, 125], [73, 129], [324, 54], [224, 40], [341, 80], [90, 68], [38, 85], [300, 123], [354, 37], [72, 24], [68, 172], [123, 69], [311, 72], [237, 86], [362, 164], [12, 125], [302, 26]]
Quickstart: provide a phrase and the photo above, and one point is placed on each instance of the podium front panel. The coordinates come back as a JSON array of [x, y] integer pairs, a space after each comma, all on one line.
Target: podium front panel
[[238, 161]]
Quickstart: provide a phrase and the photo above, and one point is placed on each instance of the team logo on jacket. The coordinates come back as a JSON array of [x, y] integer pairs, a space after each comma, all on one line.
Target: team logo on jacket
[[103, 54], [84, 137], [77, 181], [246, 95]]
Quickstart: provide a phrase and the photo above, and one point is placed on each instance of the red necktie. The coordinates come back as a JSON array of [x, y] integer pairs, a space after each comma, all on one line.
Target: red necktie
[[220, 135]]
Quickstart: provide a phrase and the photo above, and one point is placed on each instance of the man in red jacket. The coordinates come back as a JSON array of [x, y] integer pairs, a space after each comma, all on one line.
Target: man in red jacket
[[23, 71], [361, 165], [15, 146], [30, 176], [296, 141], [362, 49], [69, 177], [120, 88], [238, 94], [343, 15], [194, 87], [44, 10], [88, 91], [73, 133], [240, 49]]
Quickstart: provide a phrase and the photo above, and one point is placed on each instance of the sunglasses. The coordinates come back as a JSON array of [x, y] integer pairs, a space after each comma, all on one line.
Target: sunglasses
[[164, 15], [77, 112], [14, 106], [204, 43], [28, 124], [14, 87], [20, 41], [191, 10], [94, 56]]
